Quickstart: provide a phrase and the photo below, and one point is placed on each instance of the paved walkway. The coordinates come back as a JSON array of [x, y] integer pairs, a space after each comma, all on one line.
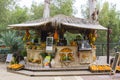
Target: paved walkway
[[4, 75]]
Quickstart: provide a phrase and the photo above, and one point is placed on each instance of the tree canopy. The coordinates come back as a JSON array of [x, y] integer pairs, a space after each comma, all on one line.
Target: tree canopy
[[56, 7], [10, 13], [109, 17], [4, 11]]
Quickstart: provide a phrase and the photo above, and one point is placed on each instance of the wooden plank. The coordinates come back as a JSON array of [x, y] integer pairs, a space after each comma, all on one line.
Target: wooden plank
[[115, 62]]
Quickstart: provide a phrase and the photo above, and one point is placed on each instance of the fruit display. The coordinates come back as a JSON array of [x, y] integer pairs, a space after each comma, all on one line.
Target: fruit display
[[92, 38], [35, 61], [29, 43], [35, 47], [15, 66], [56, 35], [73, 43], [26, 36], [47, 64], [100, 68], [118, 69], [43, 44], [66, 57], [66, 50]]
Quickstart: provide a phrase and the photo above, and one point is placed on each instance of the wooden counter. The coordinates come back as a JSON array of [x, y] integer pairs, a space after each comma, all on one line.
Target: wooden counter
[[87, 56], [58, 63], [33, 56]]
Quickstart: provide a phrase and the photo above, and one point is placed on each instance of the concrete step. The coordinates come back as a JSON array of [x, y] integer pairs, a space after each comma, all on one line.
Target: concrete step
[[58, 73]]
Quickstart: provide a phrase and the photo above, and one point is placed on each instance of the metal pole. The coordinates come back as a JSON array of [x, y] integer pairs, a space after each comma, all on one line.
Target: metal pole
[[108, 40], [102, 48]]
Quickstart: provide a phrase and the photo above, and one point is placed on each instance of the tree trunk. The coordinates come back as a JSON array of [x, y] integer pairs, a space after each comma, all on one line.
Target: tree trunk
[[93, 13], [46, 12]]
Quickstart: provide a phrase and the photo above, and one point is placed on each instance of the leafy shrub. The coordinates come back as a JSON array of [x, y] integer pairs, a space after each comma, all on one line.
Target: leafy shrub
[[12, 40]]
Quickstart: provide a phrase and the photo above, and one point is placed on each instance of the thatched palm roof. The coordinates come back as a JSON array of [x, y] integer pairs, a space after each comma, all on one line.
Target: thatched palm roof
[[58, 21]]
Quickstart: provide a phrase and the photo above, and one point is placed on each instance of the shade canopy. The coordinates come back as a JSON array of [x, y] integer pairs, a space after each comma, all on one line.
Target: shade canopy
[[58, 21]]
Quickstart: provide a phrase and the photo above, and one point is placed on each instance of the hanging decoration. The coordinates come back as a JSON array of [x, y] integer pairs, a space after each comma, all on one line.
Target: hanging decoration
[[26, 36], [56, 35], [92, 38]]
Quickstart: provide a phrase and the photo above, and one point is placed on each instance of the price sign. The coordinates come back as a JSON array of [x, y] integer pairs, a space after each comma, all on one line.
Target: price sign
[[49, 44], [9, 57]]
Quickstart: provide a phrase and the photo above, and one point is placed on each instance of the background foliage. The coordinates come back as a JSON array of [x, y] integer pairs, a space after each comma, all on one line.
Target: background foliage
[[11, 13], [12, 40]]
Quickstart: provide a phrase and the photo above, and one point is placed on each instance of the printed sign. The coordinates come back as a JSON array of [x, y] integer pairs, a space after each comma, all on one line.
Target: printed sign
[[9, 57], [49, 44]]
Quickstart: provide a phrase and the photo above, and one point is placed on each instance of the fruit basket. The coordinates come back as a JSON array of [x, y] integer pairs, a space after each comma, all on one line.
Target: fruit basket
[[100, 68], [15, 67]]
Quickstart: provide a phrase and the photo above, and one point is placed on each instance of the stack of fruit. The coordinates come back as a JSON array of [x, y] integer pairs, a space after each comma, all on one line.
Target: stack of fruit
[[92, 38], [66, 50], [15, 66], [26, 36], [66, 54], [73, 43], [34, 61], [66, 57], [31, 45], [118, 68], [100, 68], [70, 56]]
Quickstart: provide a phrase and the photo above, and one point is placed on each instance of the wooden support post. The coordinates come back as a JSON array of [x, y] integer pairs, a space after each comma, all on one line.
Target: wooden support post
[[108, 41]]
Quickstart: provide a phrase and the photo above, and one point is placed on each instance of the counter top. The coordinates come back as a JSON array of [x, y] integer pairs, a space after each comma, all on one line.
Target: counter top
[[85, 49]]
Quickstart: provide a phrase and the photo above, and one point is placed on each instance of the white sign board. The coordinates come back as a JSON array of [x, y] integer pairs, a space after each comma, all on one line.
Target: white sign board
[[49, 44], [49, 48], [9, 57]]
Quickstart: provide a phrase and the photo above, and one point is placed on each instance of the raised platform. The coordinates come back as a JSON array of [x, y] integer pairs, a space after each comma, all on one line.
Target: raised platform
[[38, 68], [67, 71], [58, 73], [75, 71]]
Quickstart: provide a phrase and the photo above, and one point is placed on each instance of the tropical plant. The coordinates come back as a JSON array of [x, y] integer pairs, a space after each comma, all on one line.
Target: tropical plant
[[12, 40]]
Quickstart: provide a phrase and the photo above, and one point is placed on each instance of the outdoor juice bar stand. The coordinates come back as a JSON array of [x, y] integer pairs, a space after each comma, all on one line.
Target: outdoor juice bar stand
[[77, 53]]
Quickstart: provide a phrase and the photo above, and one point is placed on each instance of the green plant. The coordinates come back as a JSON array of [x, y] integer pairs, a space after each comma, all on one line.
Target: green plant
[[12, 40], [24, 52], [43, 54]]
